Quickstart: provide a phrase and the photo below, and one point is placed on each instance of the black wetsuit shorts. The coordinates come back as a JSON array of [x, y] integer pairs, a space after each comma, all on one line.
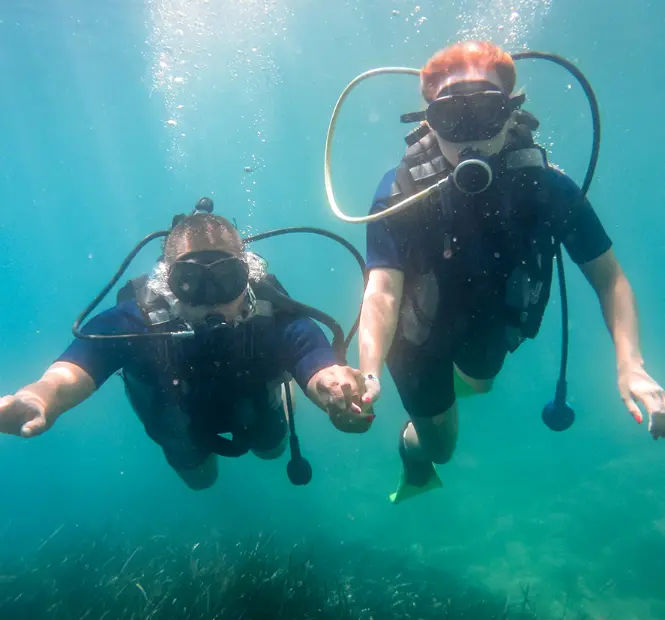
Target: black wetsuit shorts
[[259, 422], [424, 374]]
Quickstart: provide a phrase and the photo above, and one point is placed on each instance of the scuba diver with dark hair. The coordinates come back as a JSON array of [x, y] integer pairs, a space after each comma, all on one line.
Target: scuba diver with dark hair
[[206, 346], [463, 276]]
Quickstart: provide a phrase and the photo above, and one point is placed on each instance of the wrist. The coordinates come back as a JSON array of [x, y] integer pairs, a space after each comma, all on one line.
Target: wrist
[[373, 369], [629, 363]]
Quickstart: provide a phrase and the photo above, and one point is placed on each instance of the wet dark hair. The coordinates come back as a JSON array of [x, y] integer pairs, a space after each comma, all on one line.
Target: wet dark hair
[[203, 231]]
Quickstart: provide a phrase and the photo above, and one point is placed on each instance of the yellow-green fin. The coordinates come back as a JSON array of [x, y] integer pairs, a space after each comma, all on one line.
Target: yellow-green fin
[[407, 491]]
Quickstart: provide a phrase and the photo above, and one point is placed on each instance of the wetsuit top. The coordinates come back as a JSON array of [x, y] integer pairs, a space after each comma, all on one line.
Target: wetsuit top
[[226, 363], [569, 215]]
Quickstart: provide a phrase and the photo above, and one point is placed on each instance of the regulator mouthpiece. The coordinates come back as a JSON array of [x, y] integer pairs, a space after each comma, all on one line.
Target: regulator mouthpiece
[[472, 175]]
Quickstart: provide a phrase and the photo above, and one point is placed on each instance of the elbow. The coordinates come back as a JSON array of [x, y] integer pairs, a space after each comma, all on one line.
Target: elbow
[[379, 298], [614, 292], [615, 284], [380, 304], [378, 320], [606, 276]]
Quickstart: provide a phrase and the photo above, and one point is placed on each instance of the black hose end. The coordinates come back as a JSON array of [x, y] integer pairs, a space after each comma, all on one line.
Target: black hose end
[[204, 205], [299, 471]]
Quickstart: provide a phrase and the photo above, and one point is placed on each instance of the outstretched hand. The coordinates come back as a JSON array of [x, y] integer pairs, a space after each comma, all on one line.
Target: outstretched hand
[[638, 388], [21, 416], [338, 390]]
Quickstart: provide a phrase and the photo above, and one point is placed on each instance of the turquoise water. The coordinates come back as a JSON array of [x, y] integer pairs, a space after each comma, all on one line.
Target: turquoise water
[[97, 151]]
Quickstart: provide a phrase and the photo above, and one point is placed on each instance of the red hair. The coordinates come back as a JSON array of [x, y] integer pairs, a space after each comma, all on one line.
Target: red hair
[[477, 56]]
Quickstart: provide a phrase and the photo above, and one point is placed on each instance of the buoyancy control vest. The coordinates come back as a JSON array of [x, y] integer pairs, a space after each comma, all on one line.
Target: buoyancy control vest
[[165, 373], [517, 277]]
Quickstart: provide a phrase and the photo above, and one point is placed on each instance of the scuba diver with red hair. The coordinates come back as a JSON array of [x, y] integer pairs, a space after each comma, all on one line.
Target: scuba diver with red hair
[[462, 277]]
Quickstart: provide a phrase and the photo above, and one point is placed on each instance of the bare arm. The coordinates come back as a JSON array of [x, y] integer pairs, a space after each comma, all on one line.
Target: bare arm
[[378, 320], [617, 302], [618, 305], [35, 408]]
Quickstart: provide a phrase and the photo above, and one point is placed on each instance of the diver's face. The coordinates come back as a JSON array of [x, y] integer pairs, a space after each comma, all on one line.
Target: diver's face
[[451, 149], [197, 315], [209, 282]]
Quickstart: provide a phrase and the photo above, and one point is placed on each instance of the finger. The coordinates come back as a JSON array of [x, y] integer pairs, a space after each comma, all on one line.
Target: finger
[[650, 401], [6, 401], [357, 383], [34, 427], [349, 377], [654, 405], [371, 392], [335, 396], [660, 397], [633, 409], [659, 401], [349, 395], [657, 424], [328, 387], [358, 406], [350, 422], [11, 416], [367, 406], [352, 390]]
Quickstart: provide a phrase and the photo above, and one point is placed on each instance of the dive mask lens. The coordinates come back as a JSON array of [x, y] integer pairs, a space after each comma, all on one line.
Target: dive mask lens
[[186, 281], [208, 278], [445, 114], [229, 277], [491, 109]]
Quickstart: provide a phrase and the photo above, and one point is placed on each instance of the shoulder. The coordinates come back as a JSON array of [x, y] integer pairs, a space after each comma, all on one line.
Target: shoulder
[[124, 310], [384, 191], [296, 327], [561, 196], [560, 185], [124, 316], [128, 307], [574, 220]]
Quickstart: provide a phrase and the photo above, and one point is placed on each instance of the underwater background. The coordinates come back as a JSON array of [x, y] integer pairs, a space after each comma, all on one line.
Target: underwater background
[[116, 115]]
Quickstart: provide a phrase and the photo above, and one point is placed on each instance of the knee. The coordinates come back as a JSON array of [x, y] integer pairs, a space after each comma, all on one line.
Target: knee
[[482, 387], [200, 478], [466, 385], [476, 386], [442, 454], [272, 453], [198, 484]]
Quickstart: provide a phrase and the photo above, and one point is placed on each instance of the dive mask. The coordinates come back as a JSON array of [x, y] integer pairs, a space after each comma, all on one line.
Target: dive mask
[[468, 111], [208, 278]]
